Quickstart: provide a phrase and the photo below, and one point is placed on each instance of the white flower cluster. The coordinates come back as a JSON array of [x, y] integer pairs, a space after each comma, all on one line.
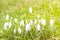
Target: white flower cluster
[[19, 30], [28, 27], [28, 24], [7, 25]]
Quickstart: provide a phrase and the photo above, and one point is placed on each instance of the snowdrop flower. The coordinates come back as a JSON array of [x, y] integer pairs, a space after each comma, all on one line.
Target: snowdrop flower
[[51, 22], [30, 9], [38, 27], [28, 27], [15, 20], [19, 30], [14, 31], [43, 22], [22, 23], [10, 24], [7, 17], [6, 25]]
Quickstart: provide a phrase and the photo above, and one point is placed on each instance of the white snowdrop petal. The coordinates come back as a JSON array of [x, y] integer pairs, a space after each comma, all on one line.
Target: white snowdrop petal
[[15, 20], [7, 17], [38, 27], [27, 27], [43, 22], [19, 30], [6, 26], [22, 23], [51, 22], [30, 9], [14, 31]]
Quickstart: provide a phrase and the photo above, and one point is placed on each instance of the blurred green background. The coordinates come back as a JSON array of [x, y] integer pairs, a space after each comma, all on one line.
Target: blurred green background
[[47, 9]]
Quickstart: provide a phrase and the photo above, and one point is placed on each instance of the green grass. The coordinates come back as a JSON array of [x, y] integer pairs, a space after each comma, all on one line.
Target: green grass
[[20, 9]]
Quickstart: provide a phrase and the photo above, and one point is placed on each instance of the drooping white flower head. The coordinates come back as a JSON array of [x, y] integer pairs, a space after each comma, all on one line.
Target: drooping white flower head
[[43, 22], [10, 24], [14, 31], [51, 22], [22, 23], [27, 27], [15, 20], [38, 27], [30, 9], [7, 17], [6, 26], [19, 30]]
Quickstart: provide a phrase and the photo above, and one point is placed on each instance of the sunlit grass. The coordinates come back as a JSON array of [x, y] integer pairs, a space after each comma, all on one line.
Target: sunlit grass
[[29, 20]]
